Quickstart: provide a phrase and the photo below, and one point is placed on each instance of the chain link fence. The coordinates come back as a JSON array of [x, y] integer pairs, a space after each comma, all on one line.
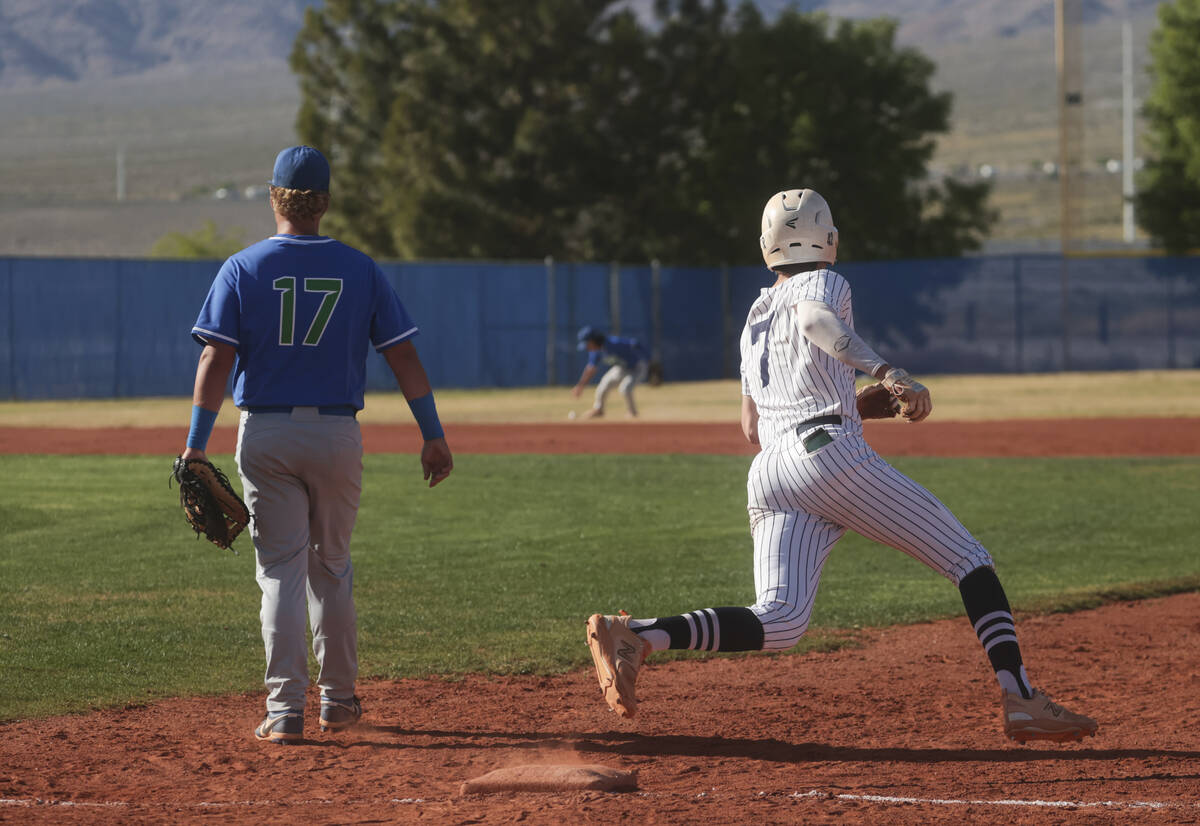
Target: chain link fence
[[100, 328]]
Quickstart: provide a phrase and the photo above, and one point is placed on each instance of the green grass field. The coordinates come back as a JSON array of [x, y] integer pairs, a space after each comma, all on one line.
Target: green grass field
[[105, 598]]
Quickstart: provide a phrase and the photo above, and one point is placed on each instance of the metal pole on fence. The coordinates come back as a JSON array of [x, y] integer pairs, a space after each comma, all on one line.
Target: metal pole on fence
[[119, 297], [726, 322], [1171, 322], [12, 331], [1018, 321], [551, 323], [1066, 313], [656, 309], [614, 297]]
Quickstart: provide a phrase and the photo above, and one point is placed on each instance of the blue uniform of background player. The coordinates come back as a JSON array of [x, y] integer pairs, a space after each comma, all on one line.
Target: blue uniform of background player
[[629, 362], [294, 317]]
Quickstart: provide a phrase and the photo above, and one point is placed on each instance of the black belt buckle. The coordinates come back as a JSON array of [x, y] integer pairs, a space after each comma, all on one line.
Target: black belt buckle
[[816, 420], [816, 440], [338, 410]]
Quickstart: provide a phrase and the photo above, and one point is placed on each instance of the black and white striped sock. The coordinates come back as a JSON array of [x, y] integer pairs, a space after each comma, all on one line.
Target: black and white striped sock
[[709, 629], [987, 608]]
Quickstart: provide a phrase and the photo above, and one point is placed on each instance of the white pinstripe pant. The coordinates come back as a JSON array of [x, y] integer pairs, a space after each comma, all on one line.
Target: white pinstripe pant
[[800, 504]]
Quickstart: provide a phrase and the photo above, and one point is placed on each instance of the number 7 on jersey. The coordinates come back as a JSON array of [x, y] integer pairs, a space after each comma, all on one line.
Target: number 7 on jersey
[[763, 328]]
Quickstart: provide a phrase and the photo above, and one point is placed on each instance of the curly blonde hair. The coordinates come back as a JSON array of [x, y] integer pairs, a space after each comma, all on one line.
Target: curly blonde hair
[[298, 204]]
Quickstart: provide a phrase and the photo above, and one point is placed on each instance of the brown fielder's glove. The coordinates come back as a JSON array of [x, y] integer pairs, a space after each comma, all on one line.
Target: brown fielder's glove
[[874, 401], [654, 373], [209, 502]]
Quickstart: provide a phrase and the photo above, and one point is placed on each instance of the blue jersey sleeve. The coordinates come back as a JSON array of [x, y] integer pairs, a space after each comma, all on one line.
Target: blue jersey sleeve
[[390, 322], [220, 317], [594, 357]]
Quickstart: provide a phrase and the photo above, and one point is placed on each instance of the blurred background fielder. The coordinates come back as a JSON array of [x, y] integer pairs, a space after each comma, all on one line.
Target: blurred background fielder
[[629, 364]]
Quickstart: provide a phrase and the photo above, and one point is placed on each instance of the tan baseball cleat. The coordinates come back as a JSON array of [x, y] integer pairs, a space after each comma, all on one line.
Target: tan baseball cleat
[[618, 654], [1038, 718]]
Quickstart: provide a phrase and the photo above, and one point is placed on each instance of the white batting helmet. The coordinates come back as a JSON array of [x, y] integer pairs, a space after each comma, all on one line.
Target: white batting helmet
[[797, 228]]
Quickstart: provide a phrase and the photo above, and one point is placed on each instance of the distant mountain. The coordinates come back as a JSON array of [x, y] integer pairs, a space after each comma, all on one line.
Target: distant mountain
[[73, 40], [195, 98]]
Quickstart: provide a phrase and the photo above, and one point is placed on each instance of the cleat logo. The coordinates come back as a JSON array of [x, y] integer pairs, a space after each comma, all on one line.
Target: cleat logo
[[625, 652]]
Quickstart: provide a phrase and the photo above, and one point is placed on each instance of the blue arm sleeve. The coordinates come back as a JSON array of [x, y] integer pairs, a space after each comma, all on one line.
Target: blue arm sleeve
[[425, 412], [202, 425]]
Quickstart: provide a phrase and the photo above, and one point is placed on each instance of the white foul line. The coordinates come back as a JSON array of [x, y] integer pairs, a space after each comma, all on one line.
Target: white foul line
[[1049, 804], [813, 794], [38, 801]]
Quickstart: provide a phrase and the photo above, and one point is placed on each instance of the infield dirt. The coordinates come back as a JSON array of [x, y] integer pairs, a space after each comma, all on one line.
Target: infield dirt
[[904, 728]]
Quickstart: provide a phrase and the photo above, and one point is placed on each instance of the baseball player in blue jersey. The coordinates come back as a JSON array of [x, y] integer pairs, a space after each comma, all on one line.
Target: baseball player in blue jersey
[[628, 364], [293, 317], [815, 477]]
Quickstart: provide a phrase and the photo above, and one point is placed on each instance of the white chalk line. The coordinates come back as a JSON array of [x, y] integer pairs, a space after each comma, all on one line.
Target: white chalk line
[[1048, 804], [816, 794], [204, 804]]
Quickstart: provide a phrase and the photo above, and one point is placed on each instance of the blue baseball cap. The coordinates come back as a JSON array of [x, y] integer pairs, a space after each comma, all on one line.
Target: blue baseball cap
[[301, 167], [584, 334]]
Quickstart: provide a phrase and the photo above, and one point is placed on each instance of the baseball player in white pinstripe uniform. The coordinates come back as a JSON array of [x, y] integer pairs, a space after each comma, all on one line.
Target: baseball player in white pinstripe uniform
[[815, 478]]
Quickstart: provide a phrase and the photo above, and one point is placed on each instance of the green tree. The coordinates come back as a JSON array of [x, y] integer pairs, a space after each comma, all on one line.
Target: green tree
[[805, 101], [206, 242], [520, 128], [1168, 201], [491, 148], [453, 125], [348, 57]]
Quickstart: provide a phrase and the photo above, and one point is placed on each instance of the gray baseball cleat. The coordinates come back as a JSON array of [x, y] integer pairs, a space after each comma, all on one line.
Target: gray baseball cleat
[[339, 714], [283, 729]]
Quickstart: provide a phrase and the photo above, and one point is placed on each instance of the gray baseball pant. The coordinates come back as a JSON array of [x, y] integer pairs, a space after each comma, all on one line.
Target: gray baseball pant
[[302, 477], [625, 378]]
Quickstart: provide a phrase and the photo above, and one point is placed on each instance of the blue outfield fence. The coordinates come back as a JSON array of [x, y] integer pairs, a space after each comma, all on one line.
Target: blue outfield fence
[[103, 328]]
